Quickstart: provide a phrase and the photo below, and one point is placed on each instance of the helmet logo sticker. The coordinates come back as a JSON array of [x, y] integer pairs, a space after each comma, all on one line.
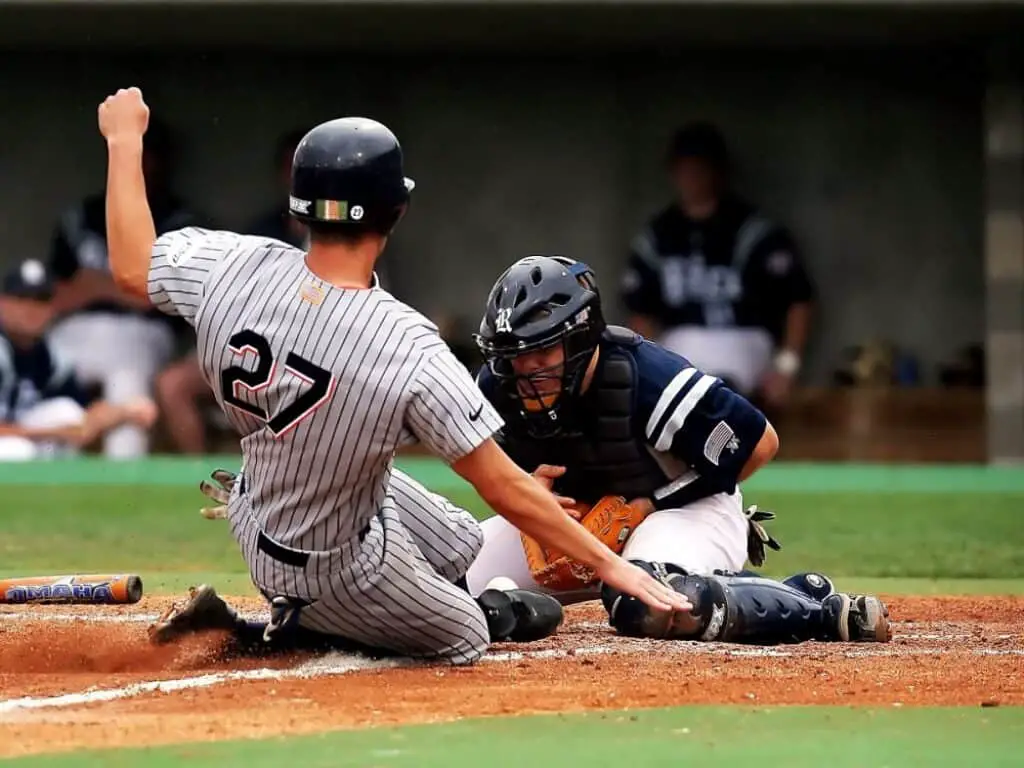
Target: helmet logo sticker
[[502, 324], [356, 213], [298, 205], [332, 210]]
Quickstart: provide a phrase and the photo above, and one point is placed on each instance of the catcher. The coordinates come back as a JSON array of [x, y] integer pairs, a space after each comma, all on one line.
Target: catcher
[[647, 452]]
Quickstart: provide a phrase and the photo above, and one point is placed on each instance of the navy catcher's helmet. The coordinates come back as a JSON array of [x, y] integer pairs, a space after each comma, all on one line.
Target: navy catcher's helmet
[[541, 301], [348, 172]]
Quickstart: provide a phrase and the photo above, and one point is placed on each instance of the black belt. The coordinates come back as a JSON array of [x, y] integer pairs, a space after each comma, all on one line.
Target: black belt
[[282, 554], [289, 556]]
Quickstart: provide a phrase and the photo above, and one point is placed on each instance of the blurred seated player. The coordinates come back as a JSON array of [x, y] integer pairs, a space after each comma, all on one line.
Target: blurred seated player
[[713, 279], [180, 387], [276, 221], [110, 338], [596, 411], [44, 412]]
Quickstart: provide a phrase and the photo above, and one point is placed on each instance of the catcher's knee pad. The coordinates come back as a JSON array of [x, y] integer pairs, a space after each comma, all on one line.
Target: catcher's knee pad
[[816, 585], [631, 617]]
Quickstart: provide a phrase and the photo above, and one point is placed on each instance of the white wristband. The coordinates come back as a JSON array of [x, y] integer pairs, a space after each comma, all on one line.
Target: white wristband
[[787, 362]]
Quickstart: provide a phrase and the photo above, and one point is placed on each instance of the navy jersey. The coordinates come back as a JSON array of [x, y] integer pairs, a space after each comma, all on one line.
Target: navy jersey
[[687, 435], [30, 375], [80, 242], [735, 269]]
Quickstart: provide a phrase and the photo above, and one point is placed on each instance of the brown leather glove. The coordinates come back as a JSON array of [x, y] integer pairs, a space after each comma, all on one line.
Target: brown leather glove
[[611, 520]]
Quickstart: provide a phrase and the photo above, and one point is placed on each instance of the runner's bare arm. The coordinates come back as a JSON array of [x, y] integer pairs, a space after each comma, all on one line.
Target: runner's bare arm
[[131, 233]]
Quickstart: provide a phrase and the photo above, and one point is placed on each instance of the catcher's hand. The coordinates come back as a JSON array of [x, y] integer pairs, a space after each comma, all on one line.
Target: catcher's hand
[[221, 492], [757, 536], [611, 520]]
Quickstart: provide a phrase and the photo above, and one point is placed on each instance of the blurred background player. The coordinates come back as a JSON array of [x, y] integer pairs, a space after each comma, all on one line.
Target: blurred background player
[[595, 410], [276, 221], [712, 279], [181, 389], [113, 341], [44, 411]]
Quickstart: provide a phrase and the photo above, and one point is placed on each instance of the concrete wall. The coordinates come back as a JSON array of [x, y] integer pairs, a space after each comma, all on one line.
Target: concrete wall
[[874, 158]]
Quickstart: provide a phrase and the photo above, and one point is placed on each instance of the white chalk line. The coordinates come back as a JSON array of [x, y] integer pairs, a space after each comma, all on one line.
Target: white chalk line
[[341, 666], [336, 664]]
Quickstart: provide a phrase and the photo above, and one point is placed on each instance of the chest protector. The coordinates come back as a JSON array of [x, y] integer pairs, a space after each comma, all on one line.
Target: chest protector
[[602, 449]]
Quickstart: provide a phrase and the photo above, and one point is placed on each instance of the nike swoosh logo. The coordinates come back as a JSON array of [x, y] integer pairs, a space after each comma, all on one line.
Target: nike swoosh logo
[[476, 414]]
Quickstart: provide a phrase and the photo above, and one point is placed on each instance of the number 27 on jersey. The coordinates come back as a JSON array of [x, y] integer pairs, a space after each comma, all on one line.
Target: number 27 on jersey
[[235, 380]]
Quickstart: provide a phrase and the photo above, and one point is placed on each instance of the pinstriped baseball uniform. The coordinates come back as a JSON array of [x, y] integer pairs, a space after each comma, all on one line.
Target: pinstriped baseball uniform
[[323, 384]]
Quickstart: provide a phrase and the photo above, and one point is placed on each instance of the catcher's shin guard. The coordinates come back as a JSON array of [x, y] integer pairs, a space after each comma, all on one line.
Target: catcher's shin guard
[[748, 609], [518, 615]]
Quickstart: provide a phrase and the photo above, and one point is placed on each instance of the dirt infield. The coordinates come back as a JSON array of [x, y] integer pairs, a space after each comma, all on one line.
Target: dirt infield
[[75, 677]]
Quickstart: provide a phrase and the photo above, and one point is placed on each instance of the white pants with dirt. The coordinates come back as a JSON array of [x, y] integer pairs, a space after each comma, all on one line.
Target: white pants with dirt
[[702, 537], [390, 588], [122, 354], [49, 414]]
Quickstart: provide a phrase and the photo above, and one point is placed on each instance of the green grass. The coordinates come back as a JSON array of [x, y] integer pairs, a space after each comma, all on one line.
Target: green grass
[[790, 736], [158, 532], [876, 529]]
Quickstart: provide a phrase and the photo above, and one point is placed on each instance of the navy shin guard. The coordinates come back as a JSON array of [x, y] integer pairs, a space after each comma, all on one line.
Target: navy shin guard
[[764, 612], [727, 608]]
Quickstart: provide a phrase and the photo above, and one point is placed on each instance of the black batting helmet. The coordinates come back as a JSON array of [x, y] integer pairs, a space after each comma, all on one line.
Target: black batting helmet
[[349, 172], [541, 301]]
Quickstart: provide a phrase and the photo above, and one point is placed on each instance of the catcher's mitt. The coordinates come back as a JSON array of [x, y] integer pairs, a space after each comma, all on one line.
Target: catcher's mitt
[[611, 520]]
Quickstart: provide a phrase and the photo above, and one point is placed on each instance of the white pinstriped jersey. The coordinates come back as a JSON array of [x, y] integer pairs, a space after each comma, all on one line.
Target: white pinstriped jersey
[[322, 383]]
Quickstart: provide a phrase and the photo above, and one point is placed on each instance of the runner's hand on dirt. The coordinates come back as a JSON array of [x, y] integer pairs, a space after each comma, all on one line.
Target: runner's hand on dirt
[[626, 577]]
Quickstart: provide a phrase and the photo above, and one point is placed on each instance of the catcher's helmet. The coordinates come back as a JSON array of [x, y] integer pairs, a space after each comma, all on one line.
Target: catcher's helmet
[[541, 301], [349, 172]]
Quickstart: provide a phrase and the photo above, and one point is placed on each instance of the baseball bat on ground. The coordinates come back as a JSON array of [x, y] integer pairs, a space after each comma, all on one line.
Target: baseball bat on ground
[[84, 589]]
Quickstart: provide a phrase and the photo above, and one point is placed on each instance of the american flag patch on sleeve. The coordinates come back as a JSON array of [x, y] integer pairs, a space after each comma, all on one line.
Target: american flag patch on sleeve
[[717, 441]]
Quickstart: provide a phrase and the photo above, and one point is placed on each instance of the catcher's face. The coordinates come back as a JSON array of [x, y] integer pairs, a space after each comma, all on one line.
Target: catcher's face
[[539, 376]]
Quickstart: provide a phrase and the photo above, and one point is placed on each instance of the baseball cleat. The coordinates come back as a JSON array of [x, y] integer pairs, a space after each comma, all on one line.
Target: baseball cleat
[[520, 616], [205, 610], [857, 618]]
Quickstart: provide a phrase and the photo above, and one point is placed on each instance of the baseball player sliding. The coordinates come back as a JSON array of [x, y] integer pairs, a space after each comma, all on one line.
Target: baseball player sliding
[[647, 451], [324, 375]]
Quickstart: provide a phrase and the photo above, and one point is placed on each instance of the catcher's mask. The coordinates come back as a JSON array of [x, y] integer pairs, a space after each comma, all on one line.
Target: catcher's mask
[[541, 326]]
